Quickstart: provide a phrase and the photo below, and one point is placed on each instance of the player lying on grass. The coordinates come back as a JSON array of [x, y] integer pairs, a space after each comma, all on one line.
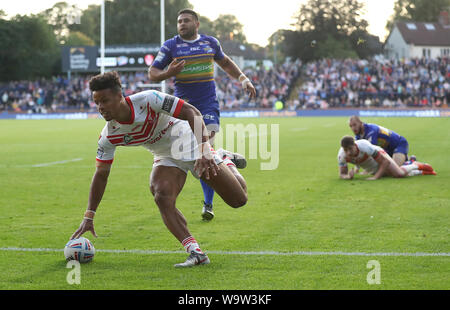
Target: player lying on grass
[[175, 133], [395, 145], [374, 160]]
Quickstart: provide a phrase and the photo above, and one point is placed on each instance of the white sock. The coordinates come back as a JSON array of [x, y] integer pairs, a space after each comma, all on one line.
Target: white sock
[[227, 161], [409, 168], [414, 172], [190, 244]]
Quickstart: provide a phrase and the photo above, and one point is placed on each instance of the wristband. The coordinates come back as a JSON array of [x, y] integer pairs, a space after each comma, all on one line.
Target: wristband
[[242, 77], [205, 150], [89, 214], [244, 80]]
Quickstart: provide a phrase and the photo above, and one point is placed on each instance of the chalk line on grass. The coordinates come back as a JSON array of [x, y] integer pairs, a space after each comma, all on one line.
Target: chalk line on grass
[[274, 253]]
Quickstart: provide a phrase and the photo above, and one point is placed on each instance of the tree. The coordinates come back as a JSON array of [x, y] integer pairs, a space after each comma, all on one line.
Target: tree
[[29, 48], [89, 23], [228, 27], [130, 21], [276, 47], [61, 16], [329, 28], [206, 25], [417, 10], [331, 16], [78, 38]]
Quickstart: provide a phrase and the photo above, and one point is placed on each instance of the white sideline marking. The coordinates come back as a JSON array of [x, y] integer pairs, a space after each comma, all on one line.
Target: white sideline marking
[[57, 162], [296, 253], [45, 164]]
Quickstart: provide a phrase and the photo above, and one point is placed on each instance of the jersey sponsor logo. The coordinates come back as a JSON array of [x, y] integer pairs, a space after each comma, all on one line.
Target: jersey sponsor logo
[[168, 103], [196, 69], [100, 152], [127, 139], [209, 117], [384, 131], [161, 133], [160, 56], [195, 48], [208, 49]]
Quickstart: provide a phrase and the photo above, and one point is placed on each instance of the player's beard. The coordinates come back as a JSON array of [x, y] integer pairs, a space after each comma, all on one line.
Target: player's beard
[[189, 34]]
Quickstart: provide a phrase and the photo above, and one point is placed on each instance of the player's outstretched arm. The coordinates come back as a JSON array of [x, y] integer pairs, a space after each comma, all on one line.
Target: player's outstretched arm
[[98, 186], [382, 168], [230, 67]]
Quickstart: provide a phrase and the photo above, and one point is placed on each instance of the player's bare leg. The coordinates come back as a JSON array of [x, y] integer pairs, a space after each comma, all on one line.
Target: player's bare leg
[[208, 192], [165, 184], [399, 158], [416, 168], [230, 185]]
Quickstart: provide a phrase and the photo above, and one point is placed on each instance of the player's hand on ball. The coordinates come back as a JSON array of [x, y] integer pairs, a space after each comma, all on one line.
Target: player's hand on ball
[[86, 225]]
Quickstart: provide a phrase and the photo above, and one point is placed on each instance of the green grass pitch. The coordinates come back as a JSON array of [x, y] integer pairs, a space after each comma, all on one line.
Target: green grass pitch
[[301, 206]]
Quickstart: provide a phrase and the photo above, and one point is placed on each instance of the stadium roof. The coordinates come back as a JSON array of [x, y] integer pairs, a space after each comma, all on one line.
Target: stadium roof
[[430, 34]]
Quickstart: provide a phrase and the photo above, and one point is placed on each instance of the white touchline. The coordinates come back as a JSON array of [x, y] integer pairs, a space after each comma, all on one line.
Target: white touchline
[[57, 162], [295, 253], [43, 164]]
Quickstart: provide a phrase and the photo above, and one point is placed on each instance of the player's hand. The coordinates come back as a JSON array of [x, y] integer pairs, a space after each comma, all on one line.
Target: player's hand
[[351, 173], [249, 88], [175, 67], [206, 167], [86, 225]]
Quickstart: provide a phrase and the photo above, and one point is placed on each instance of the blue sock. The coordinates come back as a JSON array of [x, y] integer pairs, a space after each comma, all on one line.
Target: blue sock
[[208, 192]]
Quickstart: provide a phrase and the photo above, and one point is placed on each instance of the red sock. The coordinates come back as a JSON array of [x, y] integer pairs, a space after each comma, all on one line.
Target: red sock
[[190, 244]]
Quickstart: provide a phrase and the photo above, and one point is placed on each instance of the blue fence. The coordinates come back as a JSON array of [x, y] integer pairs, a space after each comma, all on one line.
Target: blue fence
[[258, 113]]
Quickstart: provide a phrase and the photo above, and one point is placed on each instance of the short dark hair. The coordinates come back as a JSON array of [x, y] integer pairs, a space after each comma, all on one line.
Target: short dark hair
[[347, 141], [188, 11], [108, 80]]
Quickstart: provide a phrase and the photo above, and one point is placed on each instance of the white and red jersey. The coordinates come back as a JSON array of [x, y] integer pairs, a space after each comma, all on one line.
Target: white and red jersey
[[153, 125], [365, 157]]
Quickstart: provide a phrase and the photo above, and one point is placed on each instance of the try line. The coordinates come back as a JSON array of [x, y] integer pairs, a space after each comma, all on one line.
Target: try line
[[296, 253]]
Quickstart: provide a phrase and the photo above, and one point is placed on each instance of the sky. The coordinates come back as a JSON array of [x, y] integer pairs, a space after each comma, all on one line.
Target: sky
[[260, 18]]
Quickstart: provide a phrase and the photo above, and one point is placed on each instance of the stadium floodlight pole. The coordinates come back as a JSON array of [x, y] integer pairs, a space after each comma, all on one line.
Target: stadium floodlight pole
[[102, 38], [163, 35]]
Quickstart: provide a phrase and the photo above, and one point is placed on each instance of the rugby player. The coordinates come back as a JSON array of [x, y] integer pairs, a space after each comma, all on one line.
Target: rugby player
[[375, 161], [190, 57], [394, 144], [165, 125]]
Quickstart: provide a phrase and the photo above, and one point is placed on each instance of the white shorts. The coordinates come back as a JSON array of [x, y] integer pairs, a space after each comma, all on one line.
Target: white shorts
[[183, 165]]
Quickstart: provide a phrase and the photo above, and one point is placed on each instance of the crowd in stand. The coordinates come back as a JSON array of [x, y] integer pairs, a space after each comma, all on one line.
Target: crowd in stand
[[60, 93], [374, 83], [328, 83], [272, 84]]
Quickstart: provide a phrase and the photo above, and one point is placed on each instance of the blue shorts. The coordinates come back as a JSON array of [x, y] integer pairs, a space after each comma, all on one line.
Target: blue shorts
[[211, 115], [402, 147]]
